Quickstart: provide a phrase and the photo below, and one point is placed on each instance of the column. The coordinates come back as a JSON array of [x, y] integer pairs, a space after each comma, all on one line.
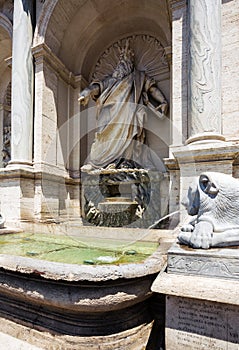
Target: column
[[75, 130], [22, 83], [204, 105]]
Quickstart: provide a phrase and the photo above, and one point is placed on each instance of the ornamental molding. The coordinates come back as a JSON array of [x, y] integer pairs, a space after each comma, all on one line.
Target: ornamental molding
[[43, 54]]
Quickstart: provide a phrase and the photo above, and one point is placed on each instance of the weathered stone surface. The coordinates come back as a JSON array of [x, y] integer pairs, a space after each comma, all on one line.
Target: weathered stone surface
[[230, 81], [17, 344], [195, 324], [70, 272], [71, 301], [201, 312], [22, 83], [179, 72], [205, 63], [132, 339], [155, 208], [215, 262], [198, 287]]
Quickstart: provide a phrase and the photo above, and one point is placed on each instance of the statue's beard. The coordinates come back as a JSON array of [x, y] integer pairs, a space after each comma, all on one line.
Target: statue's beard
[[123, 69]]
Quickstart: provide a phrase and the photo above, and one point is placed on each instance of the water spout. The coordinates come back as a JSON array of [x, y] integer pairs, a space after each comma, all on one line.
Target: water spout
[[155, 224]]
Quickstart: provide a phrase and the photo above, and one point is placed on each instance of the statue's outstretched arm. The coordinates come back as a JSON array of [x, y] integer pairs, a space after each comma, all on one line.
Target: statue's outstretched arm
[[91, 91]]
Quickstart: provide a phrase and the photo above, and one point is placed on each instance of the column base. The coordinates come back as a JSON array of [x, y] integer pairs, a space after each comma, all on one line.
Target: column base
[[205, 138], [19, 164]]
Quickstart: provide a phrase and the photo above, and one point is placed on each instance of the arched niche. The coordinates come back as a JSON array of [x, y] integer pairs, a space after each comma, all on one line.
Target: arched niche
[[78, 32], [5, 88], [5, 53]]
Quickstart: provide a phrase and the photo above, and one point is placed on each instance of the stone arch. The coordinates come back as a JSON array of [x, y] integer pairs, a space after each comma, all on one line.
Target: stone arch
[[43, 20], [79, 31]]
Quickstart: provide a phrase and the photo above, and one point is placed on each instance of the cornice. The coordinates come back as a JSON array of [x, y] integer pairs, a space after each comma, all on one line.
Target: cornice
[[43, 54]]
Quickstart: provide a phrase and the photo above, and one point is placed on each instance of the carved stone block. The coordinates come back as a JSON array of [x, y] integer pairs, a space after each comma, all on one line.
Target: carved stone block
[[216, 262], [199, 324]]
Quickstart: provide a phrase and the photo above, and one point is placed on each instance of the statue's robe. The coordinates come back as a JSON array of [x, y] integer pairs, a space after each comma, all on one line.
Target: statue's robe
[[121, 116]]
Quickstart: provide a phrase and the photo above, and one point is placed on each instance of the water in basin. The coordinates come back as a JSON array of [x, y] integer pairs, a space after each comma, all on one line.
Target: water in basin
[[67, 249]]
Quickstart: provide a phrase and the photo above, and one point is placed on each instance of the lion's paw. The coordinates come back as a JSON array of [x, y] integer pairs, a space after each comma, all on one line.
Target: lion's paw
[[184, 237], [201, 236], [198, 236], [187, 228]]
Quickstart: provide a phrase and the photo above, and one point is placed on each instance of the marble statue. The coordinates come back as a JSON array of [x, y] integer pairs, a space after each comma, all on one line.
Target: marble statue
[[214, 201], [120, 133]]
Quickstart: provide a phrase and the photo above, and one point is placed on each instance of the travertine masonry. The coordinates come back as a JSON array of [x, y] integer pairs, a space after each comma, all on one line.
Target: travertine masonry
[[230, 79]]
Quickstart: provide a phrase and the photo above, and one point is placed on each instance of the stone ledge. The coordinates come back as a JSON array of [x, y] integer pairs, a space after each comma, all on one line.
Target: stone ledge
[[194, 153], [21, 173], [74, 273], [15, 343], [39, 339], [197, 287]]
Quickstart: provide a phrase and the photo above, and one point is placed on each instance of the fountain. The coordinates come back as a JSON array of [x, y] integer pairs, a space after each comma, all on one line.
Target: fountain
[[77, 285], [69, 301]]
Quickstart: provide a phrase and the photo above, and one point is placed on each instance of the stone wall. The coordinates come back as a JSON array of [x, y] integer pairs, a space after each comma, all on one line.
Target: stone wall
[[230, 81]]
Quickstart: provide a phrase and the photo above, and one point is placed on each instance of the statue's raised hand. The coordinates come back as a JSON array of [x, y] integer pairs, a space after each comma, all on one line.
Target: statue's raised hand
[[84, 97]]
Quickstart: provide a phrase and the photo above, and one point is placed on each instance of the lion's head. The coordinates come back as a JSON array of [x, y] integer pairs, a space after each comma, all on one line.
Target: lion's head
[[214, 197]]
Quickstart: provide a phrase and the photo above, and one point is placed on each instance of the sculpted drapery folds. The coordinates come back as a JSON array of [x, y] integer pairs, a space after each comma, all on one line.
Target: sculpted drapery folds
[[121, 112]]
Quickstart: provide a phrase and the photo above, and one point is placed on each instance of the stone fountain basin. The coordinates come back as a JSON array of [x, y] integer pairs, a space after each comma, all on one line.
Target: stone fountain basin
[[67, 298], [79, 287]]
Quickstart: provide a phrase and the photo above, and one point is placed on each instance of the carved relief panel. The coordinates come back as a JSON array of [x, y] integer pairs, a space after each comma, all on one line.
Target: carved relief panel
[[6, 136]]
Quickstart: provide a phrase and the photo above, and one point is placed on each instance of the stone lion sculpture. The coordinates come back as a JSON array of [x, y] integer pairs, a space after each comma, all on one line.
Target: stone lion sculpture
[[214, 200]]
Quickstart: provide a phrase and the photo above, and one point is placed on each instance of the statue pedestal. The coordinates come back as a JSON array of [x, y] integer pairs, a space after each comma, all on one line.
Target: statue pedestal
[[202, 305], [149, 189], [118, 211]]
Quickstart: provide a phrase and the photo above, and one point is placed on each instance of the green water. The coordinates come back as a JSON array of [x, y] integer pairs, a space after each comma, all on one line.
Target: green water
[[71, 250]]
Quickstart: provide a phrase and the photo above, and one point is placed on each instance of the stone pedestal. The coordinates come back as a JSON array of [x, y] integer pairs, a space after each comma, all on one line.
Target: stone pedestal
[[94, 202], [28, 195], [202, 307], [117, 211]]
